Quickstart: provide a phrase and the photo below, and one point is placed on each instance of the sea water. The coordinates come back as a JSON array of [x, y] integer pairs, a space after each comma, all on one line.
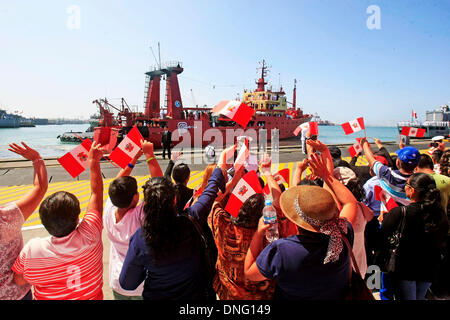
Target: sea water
[[44, 138]]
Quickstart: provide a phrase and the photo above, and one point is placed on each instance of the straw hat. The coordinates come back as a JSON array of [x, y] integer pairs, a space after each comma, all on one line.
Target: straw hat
[[314, 202]]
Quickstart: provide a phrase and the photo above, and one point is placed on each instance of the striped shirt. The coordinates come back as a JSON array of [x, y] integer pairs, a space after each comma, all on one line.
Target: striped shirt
[[393, 181], [66, 268]]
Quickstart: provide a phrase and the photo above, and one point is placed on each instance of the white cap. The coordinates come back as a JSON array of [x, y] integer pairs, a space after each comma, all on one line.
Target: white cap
[[437, 138]]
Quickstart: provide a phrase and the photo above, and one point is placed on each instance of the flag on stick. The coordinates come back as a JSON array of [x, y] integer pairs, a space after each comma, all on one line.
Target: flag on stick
[[235, 110], [313, 128], [387, 202], [127, 149], [353, 126], [242, 156], [245, 188], [413, 132], [355, 149], [76, 161]]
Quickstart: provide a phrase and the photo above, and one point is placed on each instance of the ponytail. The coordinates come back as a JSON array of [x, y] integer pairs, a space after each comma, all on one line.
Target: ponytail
[[430, 200]]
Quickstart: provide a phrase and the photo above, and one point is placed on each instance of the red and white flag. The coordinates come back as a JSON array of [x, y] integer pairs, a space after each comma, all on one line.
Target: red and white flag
[[76, 161], [355, 149], [387, 202], [245, 188], [413, 132], [242, 156], [280, 177], [353, 126], [235, 110], [313, 128], [127, 149], [414, 114]]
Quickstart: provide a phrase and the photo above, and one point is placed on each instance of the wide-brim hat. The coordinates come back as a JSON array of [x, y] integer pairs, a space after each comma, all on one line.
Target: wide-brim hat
[[314, 202]]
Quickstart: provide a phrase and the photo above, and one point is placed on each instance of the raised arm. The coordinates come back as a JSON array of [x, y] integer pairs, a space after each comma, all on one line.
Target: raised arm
[[342, 193], [265, 164], [251, 270], [127, 170], [301, 166], [368, 152], [96, 200], [153, 165], [28, 203], [202, 207], [320, 148], [176, 155]]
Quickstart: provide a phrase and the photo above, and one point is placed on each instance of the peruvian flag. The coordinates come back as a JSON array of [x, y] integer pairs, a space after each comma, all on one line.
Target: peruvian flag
[[127, 149], [235, 110], [313, 128], [387, 202], [76, 161], [413, 132], [280, 177], [414, 114], [245, 188], [353, 126], [242, 156], [355, 149]]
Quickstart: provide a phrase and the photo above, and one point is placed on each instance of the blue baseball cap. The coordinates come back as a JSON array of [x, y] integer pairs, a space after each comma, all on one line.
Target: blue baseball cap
[[409, 155]]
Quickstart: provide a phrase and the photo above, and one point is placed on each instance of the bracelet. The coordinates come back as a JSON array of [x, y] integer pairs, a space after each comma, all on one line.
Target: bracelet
[[130, 165], [150, 159]]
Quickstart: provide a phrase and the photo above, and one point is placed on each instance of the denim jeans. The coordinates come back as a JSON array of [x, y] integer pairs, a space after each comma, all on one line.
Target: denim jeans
[[410, 290]]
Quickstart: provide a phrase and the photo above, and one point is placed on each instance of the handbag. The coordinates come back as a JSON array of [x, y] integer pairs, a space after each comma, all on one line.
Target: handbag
[[357, 288], [387, 261]]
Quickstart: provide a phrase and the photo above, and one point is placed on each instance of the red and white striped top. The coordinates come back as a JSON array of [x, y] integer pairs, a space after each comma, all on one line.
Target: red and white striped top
[[67, 268]]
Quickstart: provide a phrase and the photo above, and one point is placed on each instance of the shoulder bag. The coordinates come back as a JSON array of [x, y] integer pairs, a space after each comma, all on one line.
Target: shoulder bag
[[357, 289], [388, 264]]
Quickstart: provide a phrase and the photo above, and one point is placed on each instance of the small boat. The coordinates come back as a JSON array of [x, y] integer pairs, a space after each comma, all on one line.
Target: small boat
[[75, 136]]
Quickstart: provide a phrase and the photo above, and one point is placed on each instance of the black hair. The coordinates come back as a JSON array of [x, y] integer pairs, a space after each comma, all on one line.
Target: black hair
[[307, 182], [425, 162], [122, 191], [59, 213], [180, 173], [408, 167], [354, 185], [429, 198], [250, 212], [159, 216]]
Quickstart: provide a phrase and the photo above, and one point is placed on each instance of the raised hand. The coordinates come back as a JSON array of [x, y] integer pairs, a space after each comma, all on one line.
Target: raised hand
[[265, 164], [176, 155], [25, 151], [96, 151], [318, 166], [147, 148]]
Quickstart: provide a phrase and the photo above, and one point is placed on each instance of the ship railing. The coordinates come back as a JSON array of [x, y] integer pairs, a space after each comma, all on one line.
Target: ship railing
[[166, 65], [426, 123]]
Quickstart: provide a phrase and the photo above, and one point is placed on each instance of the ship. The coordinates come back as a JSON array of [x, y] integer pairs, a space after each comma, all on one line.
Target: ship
[[437, 123], [8, 120], [272, 110]]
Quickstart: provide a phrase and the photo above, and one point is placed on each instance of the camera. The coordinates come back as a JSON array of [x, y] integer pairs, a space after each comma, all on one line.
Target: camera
[[434, 144]]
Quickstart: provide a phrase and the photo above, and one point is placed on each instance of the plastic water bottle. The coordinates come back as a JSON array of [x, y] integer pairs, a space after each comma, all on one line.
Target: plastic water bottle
[[270, 217]]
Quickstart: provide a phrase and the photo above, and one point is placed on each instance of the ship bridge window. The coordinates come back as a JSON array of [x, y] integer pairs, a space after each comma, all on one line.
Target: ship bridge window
[[251, 123]]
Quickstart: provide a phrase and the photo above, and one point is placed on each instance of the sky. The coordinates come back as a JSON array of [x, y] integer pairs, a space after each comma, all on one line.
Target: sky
[[56, 57]]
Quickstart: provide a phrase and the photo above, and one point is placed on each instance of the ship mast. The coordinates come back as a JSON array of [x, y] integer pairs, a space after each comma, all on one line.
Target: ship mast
[[295, 94], [261, 82]]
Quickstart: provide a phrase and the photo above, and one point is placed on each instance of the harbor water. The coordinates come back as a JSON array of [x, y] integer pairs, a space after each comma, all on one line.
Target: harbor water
[[44, 138]]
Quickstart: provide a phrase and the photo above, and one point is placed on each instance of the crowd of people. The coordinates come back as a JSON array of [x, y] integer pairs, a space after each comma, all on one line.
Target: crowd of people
[[161, 246]]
